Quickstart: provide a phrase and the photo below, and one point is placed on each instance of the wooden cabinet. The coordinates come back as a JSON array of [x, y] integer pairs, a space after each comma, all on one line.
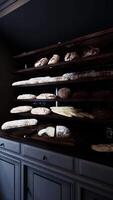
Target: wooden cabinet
[[9, 178], [92, 194], [43, 185]]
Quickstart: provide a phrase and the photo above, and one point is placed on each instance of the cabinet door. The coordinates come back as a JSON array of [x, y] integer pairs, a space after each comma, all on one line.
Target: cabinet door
[[9, 179], [88, 195], [91, 193], [43, 186]]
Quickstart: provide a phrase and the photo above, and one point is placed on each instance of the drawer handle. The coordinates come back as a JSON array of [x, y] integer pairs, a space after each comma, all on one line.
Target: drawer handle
[[44, 158], [2, 145]]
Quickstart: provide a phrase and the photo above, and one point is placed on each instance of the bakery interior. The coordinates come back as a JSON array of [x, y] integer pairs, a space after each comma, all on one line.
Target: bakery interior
[[56, 90]]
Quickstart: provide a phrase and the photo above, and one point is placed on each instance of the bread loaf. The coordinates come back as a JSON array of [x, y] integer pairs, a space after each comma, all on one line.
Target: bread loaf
[[40, 111], [19, 123], [64, 93], [21, 109], [46, 96], [26, 96], [54, 60], [41, 62], [65, 111], [71, 56], [90, 51], [49, 131], [62, 131], [102, 147]]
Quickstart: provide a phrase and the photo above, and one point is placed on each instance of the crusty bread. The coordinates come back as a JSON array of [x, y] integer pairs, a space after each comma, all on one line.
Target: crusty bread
[[50, 131], [102, 147], [71, 56], [19, 123], [41, 62], [21, 109], [26, 96], [64, 93], [46, 96], [62, 131], [55, 59], [40, 111]]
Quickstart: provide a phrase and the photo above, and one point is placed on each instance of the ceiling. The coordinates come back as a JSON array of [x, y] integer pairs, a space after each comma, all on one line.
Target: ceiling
[[39, 23]]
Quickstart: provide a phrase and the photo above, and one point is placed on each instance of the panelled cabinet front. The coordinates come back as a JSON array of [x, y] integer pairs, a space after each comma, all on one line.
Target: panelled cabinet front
[[42, 185], [9, 178]]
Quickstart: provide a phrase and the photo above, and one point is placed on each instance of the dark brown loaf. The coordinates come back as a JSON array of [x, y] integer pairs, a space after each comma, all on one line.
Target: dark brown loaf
[[64, 93]]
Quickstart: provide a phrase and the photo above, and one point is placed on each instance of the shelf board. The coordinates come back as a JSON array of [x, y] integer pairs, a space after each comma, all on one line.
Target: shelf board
[[79, 100], [69, 82], [100, 35], [77, 65]]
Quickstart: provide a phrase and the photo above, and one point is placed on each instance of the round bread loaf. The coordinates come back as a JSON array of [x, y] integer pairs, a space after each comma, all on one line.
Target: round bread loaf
[[21, 109], [64, 93], [40, 111], [19, 123]]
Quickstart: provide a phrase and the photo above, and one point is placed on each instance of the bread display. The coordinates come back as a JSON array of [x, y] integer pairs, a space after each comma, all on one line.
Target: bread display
[[90, 51], [54, 60], [46, 96], [26, 96], [19, 123], [62, 131], [41, 62], [49, 131], [64, 93], [102, 147], [40, 111], [21, 109], [71, 56]]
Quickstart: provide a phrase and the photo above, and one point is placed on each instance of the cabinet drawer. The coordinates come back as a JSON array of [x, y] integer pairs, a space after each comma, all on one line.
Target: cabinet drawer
[[49, 157], [9, 145], [96, 171]]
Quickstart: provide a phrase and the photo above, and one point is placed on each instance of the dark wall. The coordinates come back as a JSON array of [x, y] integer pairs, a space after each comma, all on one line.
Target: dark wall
[[43, 22], [6, 77]]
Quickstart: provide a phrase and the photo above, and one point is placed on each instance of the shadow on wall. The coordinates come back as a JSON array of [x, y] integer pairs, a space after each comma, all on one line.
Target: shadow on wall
[[6, 67]]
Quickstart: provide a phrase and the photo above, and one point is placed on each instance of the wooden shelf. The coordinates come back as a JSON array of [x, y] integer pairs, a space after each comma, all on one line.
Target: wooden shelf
[[103, 37], [70, 82], [78, 100], [78, 65]]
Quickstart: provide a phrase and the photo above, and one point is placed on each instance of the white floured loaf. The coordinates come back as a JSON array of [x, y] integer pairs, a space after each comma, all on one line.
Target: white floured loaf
[[19, 123], [55, 59], [62, 131], [26, 96], [21, 109], [40, 111], [46, 96], [49, 131]]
